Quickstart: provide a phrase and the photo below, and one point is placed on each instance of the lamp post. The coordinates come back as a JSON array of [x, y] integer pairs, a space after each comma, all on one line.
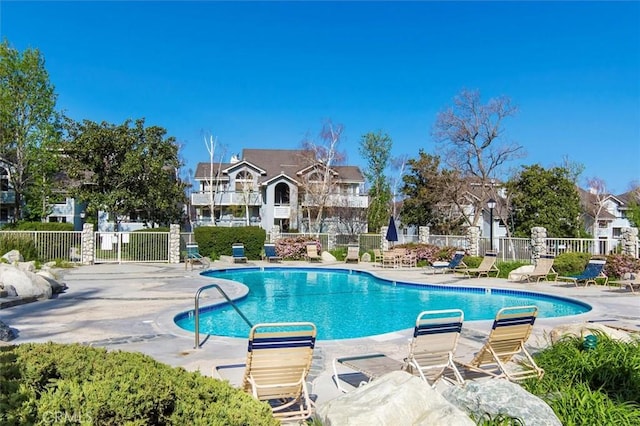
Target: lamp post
[[492, 205]]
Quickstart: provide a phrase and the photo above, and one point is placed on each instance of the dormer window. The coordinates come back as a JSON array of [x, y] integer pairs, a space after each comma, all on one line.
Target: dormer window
[[244, 181]]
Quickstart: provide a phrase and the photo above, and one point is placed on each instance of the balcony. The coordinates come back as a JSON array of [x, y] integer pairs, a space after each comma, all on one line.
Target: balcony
[[340, 200], [7, 197], [201, 198]]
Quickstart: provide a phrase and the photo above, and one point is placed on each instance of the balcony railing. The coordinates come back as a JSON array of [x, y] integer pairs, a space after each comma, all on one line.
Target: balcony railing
[[340, 200], [226, 199], [7, 197]]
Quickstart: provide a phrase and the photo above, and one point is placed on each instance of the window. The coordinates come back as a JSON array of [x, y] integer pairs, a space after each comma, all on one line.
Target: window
[[4, 179], [244, 181], [617, 232]]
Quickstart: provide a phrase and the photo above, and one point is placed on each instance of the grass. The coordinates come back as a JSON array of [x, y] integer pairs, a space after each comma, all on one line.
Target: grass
[[600, 386]]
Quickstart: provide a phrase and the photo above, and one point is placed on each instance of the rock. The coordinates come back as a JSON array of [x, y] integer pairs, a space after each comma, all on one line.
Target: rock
[[518, 273], [13, 256], [25, 283], [397, 398], [366, 257], [587, 328], [26, 266], [491, 398], [327, 257], [6, 332]]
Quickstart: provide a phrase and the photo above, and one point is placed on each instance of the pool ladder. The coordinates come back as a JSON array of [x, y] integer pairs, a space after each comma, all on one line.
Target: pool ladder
[[197, 310]]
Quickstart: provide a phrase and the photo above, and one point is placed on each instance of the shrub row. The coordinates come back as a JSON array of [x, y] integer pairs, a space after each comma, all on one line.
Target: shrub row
[[216, 241], [72, 384]]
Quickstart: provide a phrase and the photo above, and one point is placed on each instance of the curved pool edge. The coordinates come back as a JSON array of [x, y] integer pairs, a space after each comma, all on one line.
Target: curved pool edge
[[540, 293]]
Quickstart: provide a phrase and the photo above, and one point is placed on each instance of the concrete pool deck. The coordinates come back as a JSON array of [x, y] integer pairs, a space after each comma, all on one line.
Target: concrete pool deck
[[131, 307]]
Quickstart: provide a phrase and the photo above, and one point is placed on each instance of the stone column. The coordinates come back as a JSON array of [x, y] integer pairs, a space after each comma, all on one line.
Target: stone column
[[384, 244], [473, 240], [274, 235], [331, 241], [629, 241], [174, 243], [538, 243], [423, 234], [88, 244]]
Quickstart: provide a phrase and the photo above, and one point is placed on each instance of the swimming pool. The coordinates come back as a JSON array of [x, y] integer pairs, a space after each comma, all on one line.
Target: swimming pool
[[348, 304]]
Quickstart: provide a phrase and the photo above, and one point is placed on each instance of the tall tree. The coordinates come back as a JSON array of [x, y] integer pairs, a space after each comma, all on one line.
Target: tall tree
[[423, 187], [124, 169], [545, 197], [29, 123], [469, 135], [375, 148], [596, 201], [318, 184]]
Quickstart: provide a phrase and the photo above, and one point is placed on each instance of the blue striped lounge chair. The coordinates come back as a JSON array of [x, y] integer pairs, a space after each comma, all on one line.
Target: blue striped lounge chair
[[435, 338], [270, 254], [279, 358], [511, 329]]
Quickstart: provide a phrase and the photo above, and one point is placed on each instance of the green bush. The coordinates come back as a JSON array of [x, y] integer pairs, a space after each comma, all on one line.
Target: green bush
[[567, 264], [472, 261], [588, 387], [340, 253], [506, 267], [38, 226], [215, 241], [44, 382], [21, 242]]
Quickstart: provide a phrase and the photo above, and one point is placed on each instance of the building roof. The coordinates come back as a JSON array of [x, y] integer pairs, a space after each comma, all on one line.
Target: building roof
[[280, 161]]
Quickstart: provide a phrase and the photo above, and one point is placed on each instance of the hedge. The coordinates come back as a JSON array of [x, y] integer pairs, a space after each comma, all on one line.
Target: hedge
[[74, 384]]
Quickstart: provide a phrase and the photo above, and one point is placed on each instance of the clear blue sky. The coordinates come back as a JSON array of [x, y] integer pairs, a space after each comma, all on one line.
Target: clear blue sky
[[266, 74]]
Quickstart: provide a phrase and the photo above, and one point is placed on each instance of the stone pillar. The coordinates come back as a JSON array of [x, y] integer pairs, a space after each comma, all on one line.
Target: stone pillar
[[423, 234], [629, 241], [331, 241], [174, 243], [473, 240], [274, 235], [538, 243], [88, 244], [384, 244]]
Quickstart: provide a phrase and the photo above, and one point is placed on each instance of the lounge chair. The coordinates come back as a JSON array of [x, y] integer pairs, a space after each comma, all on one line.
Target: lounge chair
[[391, 259], [486, 267], [455, 263], [312, 253], [593, 270], [193, 256], [511, 329], [435, 338], [377, 256], [270, 254], [353, 254], [237, 250], [632, 284], [542, 270], [279, 358], [408, 258]]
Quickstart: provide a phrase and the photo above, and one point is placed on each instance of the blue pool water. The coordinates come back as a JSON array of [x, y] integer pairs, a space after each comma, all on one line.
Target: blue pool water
[[348, 304]]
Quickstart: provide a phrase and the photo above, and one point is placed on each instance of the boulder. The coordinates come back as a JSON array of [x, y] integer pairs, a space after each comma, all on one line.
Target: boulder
[[327, 257], [495, 397], [366, 257], [518, 273], [6, 332], [26, 266], [397, 398], [586, 328], [13, 256], [26, 284]]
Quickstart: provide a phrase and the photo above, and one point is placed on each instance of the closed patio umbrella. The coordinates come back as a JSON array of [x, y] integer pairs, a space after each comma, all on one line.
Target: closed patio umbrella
[[392, 231]]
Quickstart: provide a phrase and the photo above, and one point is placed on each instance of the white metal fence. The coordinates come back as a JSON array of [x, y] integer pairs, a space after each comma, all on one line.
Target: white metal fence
[[45, 246], [122, 247]]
